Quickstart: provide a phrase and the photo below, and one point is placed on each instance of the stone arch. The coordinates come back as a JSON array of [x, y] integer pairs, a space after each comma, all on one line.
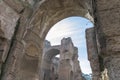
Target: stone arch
[[47, 15], [50, 54], [44, 17], [47, 25], [47, 67], [60, 16]]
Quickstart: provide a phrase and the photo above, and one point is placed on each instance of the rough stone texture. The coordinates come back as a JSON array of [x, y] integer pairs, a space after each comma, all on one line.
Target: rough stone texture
[[15, 4], [36, 19], [112, 65], [108, 14], [93, 54], [8, 19], [8, 22]]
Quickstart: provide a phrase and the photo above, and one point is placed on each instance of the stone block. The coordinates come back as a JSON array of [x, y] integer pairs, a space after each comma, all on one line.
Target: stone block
[[15, 4], [112, 64], [8, 18]]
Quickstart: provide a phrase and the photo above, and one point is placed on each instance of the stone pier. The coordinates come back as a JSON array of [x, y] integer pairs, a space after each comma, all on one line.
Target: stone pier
[[93, 55]]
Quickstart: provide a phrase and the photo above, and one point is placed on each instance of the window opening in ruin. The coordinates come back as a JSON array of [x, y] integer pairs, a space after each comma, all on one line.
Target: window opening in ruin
[[73, 27]]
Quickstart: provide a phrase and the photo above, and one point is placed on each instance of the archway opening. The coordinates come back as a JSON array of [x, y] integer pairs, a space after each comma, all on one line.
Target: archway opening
[[50, 63], [73, 27]]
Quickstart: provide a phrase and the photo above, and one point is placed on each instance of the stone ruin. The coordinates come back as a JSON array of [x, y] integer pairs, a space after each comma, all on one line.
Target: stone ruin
[[66, 67], [24, 25]]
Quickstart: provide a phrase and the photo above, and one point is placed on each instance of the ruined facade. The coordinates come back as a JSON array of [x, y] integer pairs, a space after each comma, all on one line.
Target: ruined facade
[[66, 67], [25, 23]]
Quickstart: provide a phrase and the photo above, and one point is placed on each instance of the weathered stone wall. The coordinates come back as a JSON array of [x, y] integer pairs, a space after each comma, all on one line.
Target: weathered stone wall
[[107, 15], [28, 21], [14, 15]]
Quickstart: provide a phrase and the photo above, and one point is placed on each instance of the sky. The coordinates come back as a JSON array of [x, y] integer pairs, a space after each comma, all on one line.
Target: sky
[[73, 27]]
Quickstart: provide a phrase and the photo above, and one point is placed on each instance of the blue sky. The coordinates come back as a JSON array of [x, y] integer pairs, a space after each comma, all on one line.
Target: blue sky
[[73, 27]]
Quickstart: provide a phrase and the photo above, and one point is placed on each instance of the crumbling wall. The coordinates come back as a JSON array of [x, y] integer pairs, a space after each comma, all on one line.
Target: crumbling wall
[[67, 68]]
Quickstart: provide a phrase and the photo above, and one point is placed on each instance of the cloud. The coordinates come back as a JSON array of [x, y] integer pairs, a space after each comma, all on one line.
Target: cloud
[[56, 35], [60, 30]]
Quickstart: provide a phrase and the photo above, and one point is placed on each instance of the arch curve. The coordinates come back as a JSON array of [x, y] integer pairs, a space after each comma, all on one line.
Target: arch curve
[[50, 54]]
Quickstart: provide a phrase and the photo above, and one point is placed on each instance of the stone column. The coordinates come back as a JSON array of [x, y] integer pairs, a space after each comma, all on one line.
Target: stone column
[[76, 65], [66, 54], [92, 53]]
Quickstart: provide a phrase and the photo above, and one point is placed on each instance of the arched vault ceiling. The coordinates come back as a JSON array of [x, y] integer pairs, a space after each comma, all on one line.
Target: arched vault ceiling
[[49, 8], [51, 11]]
